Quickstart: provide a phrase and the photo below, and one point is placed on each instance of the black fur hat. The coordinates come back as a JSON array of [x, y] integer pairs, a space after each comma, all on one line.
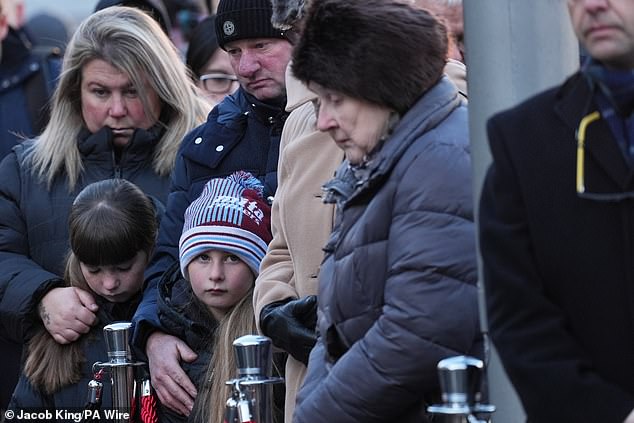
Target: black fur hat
[[286, 13], [384, 52]]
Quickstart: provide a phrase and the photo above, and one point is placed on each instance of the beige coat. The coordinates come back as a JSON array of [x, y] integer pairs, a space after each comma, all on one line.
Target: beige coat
[[300, 221]]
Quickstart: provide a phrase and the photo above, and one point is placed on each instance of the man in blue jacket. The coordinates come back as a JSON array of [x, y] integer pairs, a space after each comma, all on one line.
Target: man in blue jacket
[[241, 133]]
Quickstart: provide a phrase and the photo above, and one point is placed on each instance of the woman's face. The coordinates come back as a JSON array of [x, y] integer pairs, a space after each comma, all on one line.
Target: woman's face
[[108, 98], [215, 86], [220, 280], [354, 124], [117, 283]]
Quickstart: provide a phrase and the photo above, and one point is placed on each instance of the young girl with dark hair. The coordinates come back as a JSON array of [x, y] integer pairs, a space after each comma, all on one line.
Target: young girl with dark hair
[[112, 227]]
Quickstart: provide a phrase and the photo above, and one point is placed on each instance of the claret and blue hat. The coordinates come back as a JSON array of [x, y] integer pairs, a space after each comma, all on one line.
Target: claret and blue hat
[[230, 215]]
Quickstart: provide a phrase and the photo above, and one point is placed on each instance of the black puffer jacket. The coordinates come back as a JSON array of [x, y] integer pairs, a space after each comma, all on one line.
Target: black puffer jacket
[[182, 315], [73, 398], [397, 288], [34, 219]]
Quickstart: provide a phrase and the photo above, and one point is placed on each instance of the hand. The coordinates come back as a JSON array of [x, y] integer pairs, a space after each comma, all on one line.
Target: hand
[[67, 313], [173, 387], [629, 418], [291, 325]]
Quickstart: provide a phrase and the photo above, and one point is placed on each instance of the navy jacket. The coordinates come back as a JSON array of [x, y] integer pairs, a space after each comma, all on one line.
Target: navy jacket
[[27, 80], [182, 315], [241, 133], [34, 220], [34, 229], [73, 398]]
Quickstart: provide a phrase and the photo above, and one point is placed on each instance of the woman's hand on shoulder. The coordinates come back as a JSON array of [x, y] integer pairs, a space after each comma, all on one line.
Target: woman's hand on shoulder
[[68, 313]]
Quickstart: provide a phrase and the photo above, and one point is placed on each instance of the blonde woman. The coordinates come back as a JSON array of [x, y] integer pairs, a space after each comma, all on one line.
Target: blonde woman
[[122, 106]]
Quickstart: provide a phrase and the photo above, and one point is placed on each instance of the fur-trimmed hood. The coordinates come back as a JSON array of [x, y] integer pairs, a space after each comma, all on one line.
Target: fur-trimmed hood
[[387, 53], [287, 13]]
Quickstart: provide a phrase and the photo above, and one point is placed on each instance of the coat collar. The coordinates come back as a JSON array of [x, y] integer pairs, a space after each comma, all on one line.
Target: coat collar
[[226, 126], [574, 100], [99, 144], [270, 113], [243, 103], [15, 49]]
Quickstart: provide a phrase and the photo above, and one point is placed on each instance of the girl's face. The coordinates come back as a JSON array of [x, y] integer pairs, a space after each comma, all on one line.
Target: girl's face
[[117, 283], [219, 279]]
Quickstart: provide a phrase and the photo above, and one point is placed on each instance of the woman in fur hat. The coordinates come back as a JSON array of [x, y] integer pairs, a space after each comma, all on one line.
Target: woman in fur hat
[[397, 287]]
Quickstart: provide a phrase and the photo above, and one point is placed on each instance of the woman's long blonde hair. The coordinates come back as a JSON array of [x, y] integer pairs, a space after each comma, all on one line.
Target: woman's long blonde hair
[[132, 42], [110, 222]]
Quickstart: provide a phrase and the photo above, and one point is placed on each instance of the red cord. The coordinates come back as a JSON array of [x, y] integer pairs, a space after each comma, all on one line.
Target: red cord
[[148, 409]]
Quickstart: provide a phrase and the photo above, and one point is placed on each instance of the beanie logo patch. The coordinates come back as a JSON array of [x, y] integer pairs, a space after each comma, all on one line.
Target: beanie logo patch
[[228, 28], [243, 206]]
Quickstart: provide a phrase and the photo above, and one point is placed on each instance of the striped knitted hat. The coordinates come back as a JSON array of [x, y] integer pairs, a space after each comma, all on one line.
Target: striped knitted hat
[[230, 215]]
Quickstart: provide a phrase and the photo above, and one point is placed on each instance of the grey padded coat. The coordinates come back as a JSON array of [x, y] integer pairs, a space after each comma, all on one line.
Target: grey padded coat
[[397, 288]]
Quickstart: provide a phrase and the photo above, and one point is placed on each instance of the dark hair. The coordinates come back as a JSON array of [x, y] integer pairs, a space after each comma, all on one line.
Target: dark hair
[[202, 44], [110, 222], [155, 8]]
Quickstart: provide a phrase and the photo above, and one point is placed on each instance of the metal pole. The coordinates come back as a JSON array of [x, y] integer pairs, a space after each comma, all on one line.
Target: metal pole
[[514, 48]]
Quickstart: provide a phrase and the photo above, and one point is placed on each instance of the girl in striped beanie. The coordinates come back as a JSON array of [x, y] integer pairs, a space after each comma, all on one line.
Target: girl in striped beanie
[[207, 301]]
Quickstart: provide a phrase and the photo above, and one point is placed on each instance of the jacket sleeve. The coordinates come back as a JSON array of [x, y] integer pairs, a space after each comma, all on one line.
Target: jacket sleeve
[[146, 319], [544, 361], [23, 282], [429, 309], [276, 280]]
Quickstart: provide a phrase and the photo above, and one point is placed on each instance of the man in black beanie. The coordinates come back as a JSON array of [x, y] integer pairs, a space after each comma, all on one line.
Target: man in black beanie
[[241, 133]]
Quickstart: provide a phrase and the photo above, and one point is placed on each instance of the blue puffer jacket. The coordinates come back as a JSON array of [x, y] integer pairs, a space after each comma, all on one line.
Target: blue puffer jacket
[[397, 288], [34, 219], [241, 133]]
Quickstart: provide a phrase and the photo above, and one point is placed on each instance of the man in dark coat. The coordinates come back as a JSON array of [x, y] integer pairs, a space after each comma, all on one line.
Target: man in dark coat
[[28, 75], [557, 232], [241, 133]]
